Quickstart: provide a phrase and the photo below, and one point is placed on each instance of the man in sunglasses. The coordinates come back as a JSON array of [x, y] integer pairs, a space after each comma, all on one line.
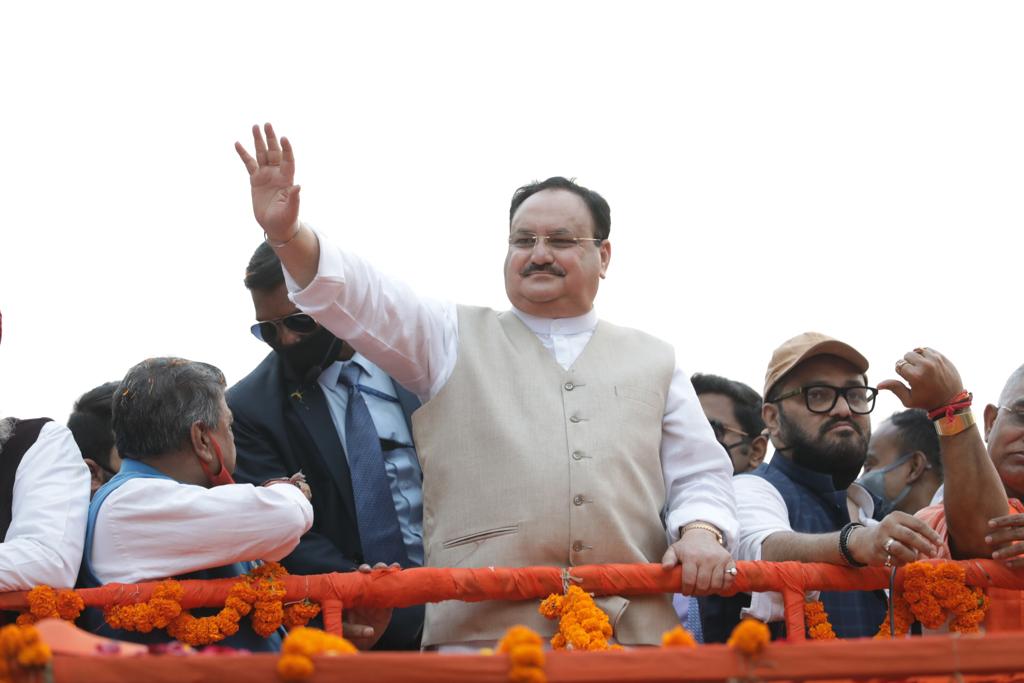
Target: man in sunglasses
[[801, 505], [44, 497], [547, 437], [295, 411]]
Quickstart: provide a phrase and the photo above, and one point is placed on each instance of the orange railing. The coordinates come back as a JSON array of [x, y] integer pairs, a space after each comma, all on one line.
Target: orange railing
[[393, 588]]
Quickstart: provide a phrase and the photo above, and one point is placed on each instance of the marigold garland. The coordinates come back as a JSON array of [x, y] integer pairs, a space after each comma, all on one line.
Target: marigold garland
[[302, 644], [582, 625], [934, 594], [299, 613], [749, 637], [816, 620], [678, 637], [46, 603], [258, 594], [21, 647], [525, 654]]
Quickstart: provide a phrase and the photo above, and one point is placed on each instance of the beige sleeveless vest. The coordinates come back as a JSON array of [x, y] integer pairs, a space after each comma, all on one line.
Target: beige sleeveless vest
[[525, 464]]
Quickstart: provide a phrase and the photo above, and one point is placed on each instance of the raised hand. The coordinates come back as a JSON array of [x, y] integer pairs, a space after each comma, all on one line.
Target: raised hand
[[275, 197], [933, 380]]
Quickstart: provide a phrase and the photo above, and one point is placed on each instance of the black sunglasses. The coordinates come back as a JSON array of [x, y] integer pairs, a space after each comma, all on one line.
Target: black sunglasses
[[299, 323]]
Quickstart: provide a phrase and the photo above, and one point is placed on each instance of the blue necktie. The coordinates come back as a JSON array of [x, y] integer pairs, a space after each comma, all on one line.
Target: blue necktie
[[379, 532]]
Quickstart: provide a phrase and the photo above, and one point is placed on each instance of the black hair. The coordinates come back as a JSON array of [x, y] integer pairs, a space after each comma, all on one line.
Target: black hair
[[746, 403], [90, 423], [264, 270], [159, 400], [599, 209], [917, 433]]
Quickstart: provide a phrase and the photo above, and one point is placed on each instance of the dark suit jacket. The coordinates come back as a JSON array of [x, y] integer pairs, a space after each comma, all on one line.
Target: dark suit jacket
[[282, 426]]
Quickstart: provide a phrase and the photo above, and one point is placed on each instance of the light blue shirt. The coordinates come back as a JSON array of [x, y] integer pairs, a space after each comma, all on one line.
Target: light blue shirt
[[401, 464]]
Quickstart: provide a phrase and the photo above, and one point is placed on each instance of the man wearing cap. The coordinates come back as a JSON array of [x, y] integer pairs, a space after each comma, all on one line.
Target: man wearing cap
[[798, 507], [546, 436], [44, 497]]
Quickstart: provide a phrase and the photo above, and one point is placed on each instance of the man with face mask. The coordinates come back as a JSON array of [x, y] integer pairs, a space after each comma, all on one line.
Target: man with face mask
[[904, 464], [173, 509], [298, 411], [800, 506]]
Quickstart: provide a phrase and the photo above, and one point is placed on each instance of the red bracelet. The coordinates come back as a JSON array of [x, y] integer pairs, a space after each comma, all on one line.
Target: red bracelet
[[960, 402]]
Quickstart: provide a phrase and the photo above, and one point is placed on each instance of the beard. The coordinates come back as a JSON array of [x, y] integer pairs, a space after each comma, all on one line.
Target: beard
[[840, 456]]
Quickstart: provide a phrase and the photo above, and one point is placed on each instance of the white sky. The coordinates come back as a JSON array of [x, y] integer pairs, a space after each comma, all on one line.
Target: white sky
[[772, 167]]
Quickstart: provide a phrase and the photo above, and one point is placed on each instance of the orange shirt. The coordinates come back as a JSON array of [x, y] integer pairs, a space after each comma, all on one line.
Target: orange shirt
[[1006, 612]]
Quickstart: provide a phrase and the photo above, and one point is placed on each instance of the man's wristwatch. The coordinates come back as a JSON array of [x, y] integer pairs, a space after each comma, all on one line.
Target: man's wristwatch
[[706, 527]]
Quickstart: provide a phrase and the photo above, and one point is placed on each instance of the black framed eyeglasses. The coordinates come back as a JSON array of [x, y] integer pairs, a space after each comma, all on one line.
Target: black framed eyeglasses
[[822, 398], [721, 430], [299, 323], [528, 240]]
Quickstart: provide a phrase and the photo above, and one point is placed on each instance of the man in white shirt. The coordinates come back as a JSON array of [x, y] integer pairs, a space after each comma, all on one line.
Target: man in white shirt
[[173, 509], [44, 495], [546, 436], [801, 506]]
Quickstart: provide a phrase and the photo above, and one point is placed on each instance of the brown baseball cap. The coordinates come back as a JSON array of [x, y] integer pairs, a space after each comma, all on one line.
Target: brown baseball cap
[[795, 351]]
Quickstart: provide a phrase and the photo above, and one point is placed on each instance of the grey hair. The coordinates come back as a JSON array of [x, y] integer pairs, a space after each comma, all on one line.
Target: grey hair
[[159, 400], [1016, 378]]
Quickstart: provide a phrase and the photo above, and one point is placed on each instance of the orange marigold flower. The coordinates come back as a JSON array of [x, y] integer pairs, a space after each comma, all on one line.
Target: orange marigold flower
[[69, 605], [11, 640], [294, 667], [527, 655], [35, 655], [678, 637], [749, 637]]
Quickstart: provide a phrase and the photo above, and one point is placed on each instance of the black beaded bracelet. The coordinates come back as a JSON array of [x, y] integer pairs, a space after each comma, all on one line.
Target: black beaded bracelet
[[844, 548]]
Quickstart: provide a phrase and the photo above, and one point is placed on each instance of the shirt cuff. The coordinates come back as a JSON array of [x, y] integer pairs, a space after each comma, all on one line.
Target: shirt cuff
[[326, 286]]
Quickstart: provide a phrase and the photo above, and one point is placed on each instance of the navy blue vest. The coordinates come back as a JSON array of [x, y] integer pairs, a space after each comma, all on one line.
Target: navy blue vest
[[815, 507], [93, 620]]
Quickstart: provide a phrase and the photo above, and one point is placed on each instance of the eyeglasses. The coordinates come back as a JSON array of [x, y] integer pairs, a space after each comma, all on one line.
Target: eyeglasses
[[720, 431], [299, 323], [527, 241], [1016, 414], [822, 398]]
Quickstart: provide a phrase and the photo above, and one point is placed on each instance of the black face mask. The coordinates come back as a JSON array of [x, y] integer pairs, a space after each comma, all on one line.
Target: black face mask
[[307, 358]]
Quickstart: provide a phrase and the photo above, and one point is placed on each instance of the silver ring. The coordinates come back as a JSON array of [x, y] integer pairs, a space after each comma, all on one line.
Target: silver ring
[[732, 570], [888, 545], [888, 560]]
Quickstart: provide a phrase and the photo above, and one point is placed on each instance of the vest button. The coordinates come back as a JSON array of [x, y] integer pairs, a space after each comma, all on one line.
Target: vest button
[[569, 386], [576, 455], [578, 500], [574, 419], [577, 546]]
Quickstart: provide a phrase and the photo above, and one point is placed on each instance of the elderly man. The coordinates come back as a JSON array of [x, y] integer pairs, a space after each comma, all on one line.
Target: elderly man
[[798, 507], [547, 437], [173, 509], [981, 514], [44, 495]]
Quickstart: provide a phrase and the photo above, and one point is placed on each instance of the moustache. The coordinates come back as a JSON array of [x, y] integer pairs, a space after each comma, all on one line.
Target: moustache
[[549, 268], [837, 421]]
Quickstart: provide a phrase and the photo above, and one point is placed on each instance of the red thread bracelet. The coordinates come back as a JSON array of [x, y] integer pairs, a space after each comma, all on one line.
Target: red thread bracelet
[[959, 402]]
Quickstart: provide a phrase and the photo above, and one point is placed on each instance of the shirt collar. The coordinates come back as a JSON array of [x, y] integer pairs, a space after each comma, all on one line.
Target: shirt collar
[[816, 481], [566, 326], [332, 372]]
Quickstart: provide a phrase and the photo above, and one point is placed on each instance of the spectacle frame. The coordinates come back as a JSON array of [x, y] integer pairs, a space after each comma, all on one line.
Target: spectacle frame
[[527, 241], [822, 398], [720, 432]]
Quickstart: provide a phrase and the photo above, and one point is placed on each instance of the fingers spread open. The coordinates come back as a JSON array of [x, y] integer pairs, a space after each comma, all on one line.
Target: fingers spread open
[[261, 147], [250, 164]]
